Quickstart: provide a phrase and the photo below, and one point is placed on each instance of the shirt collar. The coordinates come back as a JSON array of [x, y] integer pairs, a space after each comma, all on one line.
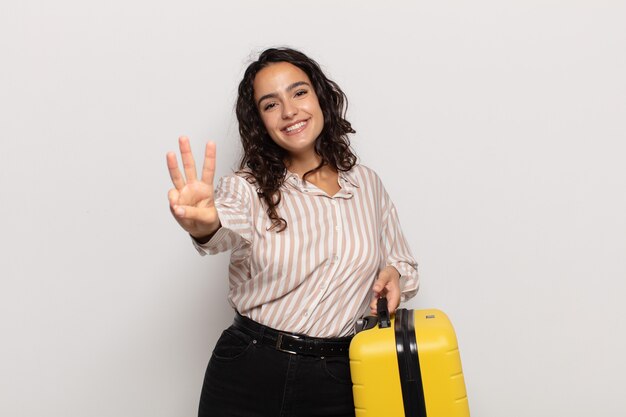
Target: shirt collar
[[347, 181], [349, 177]]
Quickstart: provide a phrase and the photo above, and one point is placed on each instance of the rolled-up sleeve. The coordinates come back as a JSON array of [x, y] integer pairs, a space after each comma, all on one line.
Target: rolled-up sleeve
[[233, 204], [396, 250]]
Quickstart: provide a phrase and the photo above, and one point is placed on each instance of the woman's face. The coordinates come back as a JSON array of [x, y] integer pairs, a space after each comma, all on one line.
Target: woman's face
[[289, 108]]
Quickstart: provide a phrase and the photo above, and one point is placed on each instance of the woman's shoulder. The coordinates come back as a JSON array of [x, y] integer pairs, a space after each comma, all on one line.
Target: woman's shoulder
[[360, 168], [237, 182], [239, 177], [363, 174], [245, 175]]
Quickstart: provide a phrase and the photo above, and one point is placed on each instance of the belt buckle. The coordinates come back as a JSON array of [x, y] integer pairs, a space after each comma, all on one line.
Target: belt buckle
[[279, 342]]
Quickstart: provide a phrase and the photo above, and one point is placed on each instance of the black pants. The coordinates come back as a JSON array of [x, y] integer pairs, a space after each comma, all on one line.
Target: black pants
[[247, 378]]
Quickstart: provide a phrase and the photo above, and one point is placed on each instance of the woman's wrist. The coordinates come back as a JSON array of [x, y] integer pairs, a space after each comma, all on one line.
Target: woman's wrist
[[202, 239]]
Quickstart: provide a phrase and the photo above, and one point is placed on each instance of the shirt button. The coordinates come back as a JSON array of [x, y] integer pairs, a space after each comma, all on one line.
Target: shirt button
[[306, 314], [337, 228], [335, 258]]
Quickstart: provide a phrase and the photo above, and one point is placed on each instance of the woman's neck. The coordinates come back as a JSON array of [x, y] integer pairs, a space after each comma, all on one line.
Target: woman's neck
[[302, 165]]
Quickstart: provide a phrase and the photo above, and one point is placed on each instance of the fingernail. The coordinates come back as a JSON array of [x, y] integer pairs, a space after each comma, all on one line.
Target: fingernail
[[180, 211]]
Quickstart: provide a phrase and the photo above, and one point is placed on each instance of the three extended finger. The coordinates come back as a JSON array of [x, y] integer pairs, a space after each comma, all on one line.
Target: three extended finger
[[208, 168], [189, 165], [175, 175]]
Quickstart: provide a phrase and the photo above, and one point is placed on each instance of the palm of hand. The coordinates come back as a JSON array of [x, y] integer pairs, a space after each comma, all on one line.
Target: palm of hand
[[198, 195]]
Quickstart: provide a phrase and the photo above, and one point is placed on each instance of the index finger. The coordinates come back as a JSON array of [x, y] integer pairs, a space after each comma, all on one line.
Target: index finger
[[208, 168], [175, 175], [189, 164]]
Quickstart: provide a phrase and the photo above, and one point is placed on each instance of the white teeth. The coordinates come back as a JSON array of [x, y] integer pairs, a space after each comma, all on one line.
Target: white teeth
[[296, 126]]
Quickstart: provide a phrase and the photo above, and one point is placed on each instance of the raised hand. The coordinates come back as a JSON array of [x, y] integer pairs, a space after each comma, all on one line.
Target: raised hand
[[191, 200]]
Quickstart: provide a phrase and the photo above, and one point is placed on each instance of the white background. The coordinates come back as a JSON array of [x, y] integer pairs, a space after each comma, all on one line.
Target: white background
[[497, 127]]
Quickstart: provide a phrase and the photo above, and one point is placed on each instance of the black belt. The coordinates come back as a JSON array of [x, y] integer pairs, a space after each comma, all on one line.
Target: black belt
[[293, 343]]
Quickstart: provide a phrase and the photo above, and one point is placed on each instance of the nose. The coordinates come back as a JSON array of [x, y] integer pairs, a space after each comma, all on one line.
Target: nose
[[289, 110]]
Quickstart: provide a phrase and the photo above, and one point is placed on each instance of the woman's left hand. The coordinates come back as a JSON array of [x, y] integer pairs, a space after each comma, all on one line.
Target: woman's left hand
[[387, 285]]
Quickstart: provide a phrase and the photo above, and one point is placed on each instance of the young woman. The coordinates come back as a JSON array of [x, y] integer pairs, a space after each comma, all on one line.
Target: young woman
[[314, 237]]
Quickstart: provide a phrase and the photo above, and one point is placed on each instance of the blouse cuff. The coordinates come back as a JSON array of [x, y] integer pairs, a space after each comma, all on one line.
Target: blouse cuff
[[214, 244], [409, 282]]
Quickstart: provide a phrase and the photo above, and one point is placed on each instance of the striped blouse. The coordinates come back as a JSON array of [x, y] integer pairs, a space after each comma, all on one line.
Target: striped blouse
[[316, 276]]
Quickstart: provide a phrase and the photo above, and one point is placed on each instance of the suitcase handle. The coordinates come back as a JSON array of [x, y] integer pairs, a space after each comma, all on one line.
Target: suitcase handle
[[382, 311], [381, 318]]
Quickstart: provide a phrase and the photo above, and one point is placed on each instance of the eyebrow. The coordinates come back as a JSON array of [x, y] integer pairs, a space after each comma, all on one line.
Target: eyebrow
[[291, 87]]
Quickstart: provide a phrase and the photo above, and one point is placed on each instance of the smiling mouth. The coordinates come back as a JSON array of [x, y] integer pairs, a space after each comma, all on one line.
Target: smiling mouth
[[296, 127]]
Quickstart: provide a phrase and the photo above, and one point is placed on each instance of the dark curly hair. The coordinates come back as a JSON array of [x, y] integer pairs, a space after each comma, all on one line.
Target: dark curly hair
[[263, 160]]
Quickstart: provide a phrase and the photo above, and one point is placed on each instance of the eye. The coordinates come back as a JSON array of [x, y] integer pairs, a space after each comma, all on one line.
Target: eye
[[301, 93], [269, 106]]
